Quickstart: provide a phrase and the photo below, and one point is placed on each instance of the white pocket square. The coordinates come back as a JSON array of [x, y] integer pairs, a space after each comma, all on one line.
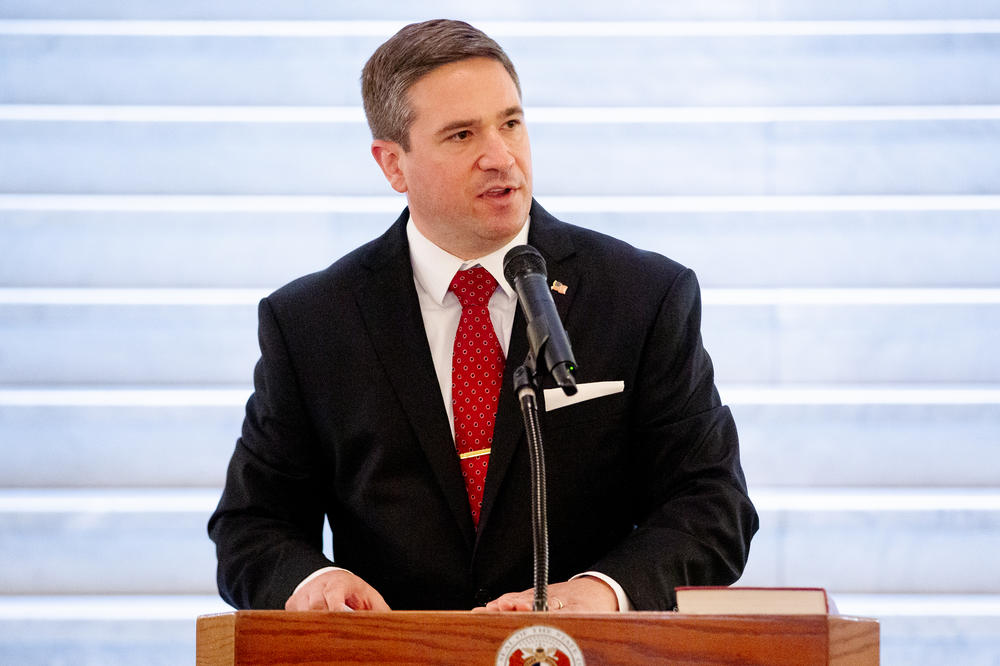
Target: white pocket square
[[555, 398]]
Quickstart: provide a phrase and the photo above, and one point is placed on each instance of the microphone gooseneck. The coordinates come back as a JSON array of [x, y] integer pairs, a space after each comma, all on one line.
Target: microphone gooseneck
[[549, 351]]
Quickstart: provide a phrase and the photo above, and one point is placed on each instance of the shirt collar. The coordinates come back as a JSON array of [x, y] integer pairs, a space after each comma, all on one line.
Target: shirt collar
[[435, 268]]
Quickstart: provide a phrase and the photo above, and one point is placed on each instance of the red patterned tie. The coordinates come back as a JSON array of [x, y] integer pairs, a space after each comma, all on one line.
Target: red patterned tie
[[476, 375]]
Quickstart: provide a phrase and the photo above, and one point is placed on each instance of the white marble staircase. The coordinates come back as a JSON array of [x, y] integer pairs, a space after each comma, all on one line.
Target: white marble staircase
[[830, 170]]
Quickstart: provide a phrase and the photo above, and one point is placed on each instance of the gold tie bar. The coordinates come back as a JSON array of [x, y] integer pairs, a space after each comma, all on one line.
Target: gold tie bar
[[473, 454]]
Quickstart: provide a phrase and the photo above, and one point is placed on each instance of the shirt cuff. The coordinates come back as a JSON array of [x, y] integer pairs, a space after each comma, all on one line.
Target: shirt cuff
[[315, 574], [624, 603]]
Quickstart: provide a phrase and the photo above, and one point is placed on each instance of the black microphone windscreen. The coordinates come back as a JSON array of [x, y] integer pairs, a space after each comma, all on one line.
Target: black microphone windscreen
[[521, 260]]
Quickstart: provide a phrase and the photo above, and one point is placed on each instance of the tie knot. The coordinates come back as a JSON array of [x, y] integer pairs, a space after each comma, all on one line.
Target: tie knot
[[473, 287]]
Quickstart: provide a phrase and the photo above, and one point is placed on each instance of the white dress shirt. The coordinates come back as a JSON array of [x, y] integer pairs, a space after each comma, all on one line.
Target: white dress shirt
[[433, 271]]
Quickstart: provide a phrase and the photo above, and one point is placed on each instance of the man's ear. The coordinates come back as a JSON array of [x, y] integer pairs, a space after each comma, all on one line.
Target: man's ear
[[387, 154]]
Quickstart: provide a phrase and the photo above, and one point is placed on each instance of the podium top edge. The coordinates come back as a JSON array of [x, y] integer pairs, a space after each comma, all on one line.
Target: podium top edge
[[417, 614]]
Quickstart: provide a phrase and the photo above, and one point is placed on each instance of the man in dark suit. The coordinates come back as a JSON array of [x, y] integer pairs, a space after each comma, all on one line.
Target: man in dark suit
[[356, 415]]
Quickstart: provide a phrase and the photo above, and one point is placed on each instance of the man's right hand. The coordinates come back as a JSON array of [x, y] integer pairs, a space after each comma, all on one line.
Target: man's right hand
[[336, 590]]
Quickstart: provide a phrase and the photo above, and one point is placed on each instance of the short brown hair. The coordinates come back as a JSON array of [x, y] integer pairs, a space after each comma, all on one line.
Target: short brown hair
[[410, 54]]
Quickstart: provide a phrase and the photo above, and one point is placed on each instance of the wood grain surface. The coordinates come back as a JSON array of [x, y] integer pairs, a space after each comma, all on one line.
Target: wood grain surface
[[279, 637]]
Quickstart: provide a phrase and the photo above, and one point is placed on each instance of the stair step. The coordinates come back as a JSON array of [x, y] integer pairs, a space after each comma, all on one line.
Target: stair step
[[585, 10], [116, 344], [931, 629], [107, 542], [798, 435], [116, 445], [638, 63], [270, 242], [879, 540], [785, 157], [192, 337], [103, 629], [141, 541], [110, 608], [822, 445], [851, 343]]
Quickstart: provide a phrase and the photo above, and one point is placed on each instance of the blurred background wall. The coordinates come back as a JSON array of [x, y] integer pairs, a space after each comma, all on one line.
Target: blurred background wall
[[830, 170]]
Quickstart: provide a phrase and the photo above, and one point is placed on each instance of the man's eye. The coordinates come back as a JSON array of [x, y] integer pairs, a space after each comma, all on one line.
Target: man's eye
[[511, 124], [460, 136]]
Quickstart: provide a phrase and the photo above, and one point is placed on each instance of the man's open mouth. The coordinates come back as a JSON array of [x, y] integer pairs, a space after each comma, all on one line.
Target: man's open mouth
[[497, 191]]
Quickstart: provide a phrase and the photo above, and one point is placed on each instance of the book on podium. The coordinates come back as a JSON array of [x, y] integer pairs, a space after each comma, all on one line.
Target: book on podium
[[716, 600]]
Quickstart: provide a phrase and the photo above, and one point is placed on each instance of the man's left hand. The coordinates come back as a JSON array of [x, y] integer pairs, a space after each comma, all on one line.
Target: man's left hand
[[585, 594]]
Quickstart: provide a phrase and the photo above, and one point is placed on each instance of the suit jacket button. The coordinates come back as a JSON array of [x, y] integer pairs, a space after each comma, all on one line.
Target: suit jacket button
[[483, 597]]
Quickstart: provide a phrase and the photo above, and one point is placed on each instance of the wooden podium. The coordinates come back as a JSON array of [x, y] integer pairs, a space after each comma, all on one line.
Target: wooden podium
[[419, 637]]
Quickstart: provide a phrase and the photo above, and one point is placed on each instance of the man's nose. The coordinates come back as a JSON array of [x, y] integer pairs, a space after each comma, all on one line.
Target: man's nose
[[496, 153]]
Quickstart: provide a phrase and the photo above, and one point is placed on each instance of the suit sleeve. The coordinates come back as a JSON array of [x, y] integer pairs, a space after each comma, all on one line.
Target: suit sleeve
[[693, 518], [268, 525]]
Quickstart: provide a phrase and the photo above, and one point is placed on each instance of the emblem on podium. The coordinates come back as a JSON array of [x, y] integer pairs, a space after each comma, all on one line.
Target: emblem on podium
[[539, 645]]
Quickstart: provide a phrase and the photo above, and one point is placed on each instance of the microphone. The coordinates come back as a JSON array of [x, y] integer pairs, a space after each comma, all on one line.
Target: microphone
[[524, 269]]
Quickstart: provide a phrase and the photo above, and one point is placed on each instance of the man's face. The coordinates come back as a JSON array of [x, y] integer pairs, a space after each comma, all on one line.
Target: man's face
[[467, 175]]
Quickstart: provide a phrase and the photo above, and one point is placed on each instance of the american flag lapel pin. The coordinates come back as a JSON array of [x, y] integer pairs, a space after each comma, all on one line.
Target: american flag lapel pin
[[559, 287]]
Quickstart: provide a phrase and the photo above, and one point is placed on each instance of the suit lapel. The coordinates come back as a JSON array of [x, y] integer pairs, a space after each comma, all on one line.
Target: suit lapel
[[548, 236], [389, 305]]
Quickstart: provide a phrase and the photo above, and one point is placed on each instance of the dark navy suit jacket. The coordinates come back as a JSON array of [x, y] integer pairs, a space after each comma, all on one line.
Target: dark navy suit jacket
[[347, 422]]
